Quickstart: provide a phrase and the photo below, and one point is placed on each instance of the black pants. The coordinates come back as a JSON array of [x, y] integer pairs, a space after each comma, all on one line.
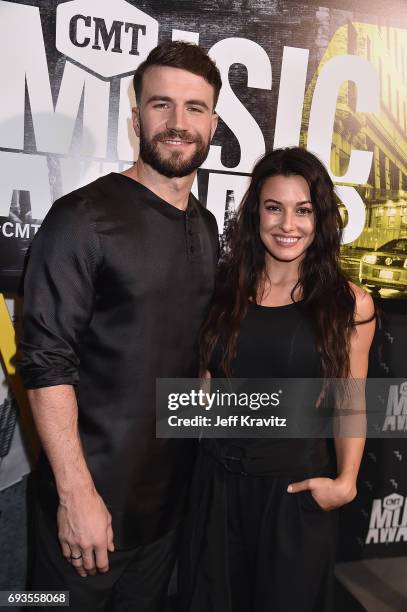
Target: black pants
[[250, 546], [137, 579]]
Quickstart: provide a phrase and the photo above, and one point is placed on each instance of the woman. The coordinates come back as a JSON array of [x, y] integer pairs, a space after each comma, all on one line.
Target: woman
[[262, 525]]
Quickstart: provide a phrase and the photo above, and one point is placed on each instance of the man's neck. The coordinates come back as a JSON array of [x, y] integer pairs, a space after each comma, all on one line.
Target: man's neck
[[175, 191]]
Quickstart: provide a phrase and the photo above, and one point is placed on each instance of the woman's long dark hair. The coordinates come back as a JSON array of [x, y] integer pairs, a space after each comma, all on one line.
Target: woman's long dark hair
[[328, 299]]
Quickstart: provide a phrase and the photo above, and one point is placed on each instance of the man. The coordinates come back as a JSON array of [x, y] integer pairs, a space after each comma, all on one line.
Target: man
[[118, 280]]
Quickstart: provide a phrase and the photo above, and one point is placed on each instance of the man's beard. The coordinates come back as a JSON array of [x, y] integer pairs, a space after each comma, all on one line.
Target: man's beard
[[175, 165]]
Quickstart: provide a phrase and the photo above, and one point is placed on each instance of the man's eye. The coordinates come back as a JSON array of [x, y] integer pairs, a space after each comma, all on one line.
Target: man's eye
[[195, 109], [161, 105]]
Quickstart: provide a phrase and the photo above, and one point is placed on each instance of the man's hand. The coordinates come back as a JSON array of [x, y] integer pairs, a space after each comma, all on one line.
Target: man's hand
[[329, 493], [84, 523], [85, 532]]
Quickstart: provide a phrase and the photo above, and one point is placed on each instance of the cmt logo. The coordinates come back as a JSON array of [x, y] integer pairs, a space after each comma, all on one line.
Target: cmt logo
[[109, 38], [391, 502], [388, 520], [396, 411]]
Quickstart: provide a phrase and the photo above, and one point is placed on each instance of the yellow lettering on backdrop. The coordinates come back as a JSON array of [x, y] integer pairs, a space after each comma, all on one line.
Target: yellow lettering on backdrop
[[8, 350], [7, 338]]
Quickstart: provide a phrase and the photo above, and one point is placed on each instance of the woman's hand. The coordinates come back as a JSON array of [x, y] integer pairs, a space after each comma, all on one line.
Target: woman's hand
[[329, 493]]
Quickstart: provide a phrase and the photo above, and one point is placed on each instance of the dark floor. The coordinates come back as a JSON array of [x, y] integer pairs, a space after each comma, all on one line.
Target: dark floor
[[344, 600], [379, 584]]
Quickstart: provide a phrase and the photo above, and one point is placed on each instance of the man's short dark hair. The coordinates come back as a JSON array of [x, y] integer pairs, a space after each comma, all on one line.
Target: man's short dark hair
[[184, 55]]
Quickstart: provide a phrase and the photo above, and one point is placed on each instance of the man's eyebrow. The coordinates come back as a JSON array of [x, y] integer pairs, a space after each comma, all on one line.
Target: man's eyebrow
[[281, 203], [198, 103], [159, 99], [168, 99]]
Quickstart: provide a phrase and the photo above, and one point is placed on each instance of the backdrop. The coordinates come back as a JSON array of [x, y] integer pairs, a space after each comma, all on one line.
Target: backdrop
[[330, 78]]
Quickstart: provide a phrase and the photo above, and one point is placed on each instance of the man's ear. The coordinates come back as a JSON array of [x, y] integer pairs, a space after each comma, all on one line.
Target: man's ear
[[135, 114], [214, 125]]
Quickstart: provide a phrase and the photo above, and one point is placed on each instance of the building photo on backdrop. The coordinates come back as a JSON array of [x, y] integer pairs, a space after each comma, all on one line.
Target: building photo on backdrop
[[329, 76]]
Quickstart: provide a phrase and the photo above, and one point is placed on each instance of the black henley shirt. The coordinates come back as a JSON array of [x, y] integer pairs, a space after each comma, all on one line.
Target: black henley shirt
[[116, 288]]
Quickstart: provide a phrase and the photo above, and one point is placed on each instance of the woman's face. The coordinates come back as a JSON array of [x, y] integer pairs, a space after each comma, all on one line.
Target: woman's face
[[287, 221]]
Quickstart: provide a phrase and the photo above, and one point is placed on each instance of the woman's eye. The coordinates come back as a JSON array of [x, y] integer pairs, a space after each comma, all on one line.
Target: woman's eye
[[273, 208], [304, 211]]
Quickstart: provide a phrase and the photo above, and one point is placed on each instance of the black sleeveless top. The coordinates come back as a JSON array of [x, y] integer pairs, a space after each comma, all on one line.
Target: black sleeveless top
[[276, 342]]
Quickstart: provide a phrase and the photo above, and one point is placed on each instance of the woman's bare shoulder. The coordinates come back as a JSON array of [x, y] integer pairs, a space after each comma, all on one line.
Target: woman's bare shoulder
[[365, 308]]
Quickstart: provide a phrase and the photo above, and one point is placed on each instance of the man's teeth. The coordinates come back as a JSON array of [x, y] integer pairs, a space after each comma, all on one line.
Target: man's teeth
[[282, 240], [176, 142]]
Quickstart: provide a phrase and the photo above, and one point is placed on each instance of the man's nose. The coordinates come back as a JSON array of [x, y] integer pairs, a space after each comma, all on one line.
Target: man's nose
[[176, 120]]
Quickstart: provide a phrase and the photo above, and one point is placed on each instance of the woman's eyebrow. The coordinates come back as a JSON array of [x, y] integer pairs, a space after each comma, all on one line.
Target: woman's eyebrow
[[281, 203]]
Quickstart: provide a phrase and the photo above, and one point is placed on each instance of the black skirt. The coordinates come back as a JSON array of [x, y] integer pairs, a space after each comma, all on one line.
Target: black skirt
[[249, 546]]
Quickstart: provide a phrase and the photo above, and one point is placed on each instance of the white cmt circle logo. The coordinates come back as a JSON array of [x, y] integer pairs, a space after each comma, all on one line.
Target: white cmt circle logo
[[393, 501]]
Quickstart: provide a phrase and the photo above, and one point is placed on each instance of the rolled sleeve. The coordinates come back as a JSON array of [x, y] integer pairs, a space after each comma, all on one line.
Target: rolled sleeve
[[59, 290]]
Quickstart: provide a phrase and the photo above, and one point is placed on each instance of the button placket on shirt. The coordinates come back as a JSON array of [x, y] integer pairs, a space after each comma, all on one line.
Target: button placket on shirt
[[192, 235]]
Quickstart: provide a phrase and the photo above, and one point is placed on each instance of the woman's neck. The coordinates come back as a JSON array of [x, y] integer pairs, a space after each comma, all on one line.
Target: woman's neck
[[282, 272], [279, 280]]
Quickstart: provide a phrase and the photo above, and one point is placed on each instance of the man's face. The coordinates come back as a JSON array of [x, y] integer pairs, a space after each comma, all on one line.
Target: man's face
[[174, 120]]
